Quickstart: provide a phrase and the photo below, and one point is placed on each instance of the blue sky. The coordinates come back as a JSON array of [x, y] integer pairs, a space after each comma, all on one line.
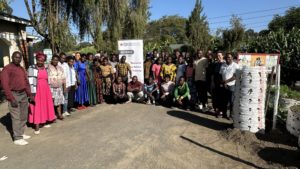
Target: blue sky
[[212, 9]]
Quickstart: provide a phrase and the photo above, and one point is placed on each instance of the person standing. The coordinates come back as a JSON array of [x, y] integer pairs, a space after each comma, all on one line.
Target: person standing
[[63, 63], [189, 75], [98, 81], [57, 81], [181, 68], [16, 88], [114, 61], [135, 90], [169, 69], [81, 94], [156, 69], [216, 82], [200, 66], [43, 109], [91, 83], [108, 76], [119, 91], [71, 84], [228, 73], [147, 68], [123, 68]]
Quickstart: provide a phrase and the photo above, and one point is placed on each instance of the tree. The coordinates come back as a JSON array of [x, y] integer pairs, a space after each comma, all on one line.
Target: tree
[[233, 37], [50, 20], [4, 7], [136, 19], [197, 28], [287, 22], [115, 22], [171, 28]]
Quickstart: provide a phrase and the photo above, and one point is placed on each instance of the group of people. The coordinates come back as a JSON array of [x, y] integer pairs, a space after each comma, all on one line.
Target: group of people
[[52, 91]]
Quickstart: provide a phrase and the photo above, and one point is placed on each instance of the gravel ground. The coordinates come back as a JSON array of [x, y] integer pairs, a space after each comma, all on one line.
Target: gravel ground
[[136, 136]]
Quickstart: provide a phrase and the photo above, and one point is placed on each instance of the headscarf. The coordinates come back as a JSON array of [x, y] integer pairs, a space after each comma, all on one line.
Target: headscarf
[[40, 56]]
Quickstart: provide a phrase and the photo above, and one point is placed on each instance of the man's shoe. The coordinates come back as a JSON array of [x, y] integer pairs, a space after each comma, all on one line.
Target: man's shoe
[[25, 137], [20, 142]]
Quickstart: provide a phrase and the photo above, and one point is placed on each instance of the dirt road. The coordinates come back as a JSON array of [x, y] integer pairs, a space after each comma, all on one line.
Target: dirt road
[[130, 136]]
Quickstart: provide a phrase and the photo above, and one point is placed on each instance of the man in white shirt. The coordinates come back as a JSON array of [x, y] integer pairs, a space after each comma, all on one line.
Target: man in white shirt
[[71, 79], [228, 72], [200, 66]]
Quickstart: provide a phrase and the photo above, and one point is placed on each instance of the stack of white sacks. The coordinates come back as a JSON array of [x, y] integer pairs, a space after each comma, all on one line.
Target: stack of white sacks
[[249, 99]]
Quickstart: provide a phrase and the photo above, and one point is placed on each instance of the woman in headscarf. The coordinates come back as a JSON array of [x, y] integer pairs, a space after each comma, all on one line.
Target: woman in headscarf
[[42, 111], [57, 82]]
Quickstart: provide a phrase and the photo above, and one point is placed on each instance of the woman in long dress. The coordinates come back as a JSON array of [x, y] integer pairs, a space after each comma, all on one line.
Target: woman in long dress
[[42, 111], [98, 81], [81, 94], [91, 82]]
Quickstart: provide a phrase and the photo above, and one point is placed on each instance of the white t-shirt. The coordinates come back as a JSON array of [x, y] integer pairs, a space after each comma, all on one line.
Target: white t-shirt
[[227, 71]]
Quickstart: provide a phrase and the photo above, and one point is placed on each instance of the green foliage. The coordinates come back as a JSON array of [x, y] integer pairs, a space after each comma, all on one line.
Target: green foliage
[[168, 28], [88, 49], [287, 22], [159, 45], [4, 7], [287, 92], [285, 43], [197, 28], [233, 37], [136, 19]]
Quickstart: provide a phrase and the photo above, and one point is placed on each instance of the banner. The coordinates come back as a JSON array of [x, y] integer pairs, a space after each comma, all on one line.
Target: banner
[[133, 50], [259, 59]]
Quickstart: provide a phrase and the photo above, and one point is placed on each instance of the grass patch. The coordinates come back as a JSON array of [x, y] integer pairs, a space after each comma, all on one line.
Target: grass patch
[[287, 92]]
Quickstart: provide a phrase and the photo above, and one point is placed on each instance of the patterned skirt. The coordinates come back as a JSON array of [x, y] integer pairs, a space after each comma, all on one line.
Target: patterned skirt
[[58, 96]]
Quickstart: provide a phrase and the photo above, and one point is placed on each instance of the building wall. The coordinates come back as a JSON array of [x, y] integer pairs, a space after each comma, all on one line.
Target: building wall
[[12, 36]]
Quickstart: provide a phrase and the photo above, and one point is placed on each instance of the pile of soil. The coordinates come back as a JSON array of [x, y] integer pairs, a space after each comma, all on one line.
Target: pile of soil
[[295, 109], [248, 140]]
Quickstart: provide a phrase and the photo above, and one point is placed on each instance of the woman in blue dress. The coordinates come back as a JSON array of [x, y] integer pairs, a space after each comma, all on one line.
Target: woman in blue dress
[[81, 95]]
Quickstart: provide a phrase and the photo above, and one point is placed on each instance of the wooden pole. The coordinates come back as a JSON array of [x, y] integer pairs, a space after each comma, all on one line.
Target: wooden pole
[[276, 100]]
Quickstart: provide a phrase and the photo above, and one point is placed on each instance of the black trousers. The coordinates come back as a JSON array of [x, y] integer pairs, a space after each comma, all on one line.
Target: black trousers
[[167, 101], [71, 97], [118, 99], [202, 91]]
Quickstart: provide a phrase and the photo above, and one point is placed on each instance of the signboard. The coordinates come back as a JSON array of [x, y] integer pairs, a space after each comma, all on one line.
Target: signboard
[[259, 59], [133, 50]]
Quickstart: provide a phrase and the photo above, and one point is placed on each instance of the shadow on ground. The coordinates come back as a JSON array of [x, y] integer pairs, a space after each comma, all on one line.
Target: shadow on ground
[[288, 158], [278, 137], [6, 122], [212, 124], [220, 153]]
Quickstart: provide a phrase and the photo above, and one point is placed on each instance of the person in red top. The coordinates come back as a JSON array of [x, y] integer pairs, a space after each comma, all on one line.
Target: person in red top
[[135, 90], [16, 87]]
